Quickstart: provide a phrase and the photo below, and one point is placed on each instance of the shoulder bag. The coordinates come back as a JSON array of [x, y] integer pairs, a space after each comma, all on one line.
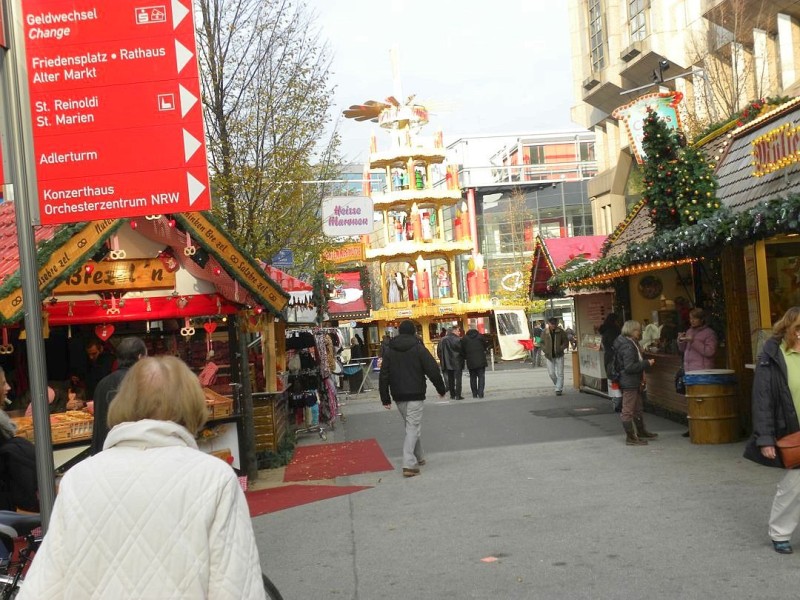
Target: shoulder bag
[[789, 450]]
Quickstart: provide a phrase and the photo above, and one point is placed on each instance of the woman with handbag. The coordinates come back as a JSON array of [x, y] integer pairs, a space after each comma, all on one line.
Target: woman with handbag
[[776, 399], [628, 366]]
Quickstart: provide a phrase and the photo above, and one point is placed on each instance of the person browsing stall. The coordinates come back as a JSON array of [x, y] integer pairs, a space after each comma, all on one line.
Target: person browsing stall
[[150, 516], [628, 366], [698, 344]]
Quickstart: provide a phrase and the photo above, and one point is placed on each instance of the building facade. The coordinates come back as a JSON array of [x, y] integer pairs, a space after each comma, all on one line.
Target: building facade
[[524, 186], [720, 54]]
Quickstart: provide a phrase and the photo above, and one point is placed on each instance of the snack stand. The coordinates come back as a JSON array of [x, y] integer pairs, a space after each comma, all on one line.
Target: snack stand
[[178, 282]]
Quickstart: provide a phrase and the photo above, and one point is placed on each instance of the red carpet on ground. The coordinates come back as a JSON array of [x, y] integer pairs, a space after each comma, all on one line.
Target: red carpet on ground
[[328, 461], [272, 500]]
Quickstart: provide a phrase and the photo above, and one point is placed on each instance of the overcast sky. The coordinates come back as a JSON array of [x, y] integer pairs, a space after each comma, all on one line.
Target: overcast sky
[[500, 66]]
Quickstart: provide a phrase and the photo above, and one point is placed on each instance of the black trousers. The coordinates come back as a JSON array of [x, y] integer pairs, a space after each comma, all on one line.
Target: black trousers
[[454, 382], [477, 380]]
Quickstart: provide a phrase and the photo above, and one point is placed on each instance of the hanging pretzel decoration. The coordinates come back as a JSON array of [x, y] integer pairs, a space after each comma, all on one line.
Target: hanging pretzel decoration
[[113, 309], [187, 330], [6, 348], [153, 217], [116, 253], [189, 250]]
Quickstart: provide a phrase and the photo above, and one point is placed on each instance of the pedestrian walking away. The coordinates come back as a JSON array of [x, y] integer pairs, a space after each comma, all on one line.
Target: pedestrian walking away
[[451, 358], [474, 346], [628, 366], [554, 345], [129, 351], [406, 363], [121, 514], [776, 400]]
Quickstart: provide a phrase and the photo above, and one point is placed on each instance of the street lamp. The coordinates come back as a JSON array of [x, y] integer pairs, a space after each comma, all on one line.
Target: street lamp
[[658, 76]]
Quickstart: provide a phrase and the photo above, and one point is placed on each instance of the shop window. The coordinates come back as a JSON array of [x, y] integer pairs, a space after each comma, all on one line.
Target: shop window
[[509, 323], [783, 276]]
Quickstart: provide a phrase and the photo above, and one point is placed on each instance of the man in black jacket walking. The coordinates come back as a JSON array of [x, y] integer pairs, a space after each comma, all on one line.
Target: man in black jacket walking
[[129, 351], [406, 362]]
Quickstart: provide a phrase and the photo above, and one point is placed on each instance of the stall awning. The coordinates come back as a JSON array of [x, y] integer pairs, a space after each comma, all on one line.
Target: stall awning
[[64, 250], [550, 255], [347, 299], [300, 292]]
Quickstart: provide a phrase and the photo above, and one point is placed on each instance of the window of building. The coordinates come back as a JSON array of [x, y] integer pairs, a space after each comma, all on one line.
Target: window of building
[[636, 20], [597, 35]]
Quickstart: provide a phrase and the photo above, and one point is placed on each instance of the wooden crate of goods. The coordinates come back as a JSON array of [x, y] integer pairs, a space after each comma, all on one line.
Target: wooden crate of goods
[[218, 406], [72, 425]]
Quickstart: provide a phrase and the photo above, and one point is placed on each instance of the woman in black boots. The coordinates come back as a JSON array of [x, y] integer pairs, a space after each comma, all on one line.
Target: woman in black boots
[[629, 366]]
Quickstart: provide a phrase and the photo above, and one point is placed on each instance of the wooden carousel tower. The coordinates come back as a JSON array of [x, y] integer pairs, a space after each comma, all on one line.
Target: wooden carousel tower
[[419, 241]]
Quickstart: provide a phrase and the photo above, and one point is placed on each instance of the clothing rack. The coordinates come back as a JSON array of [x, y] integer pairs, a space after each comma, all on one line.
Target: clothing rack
[[325, 390]]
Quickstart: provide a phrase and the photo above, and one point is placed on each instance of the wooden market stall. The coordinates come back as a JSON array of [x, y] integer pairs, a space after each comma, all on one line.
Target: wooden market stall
[[178, 282]]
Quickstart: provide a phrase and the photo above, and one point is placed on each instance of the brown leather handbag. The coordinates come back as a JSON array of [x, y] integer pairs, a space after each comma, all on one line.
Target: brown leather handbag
[[789, 449]]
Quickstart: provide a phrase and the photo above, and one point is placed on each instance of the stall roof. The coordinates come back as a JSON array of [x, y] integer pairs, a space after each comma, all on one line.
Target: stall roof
[[551, 254], [299, 291], [63, 250]]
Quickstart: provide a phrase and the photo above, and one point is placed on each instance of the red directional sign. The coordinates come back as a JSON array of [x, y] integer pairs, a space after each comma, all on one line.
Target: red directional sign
[[115, 101]]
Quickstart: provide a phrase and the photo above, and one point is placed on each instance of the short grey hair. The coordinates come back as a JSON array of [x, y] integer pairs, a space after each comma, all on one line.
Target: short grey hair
[[629, 327]]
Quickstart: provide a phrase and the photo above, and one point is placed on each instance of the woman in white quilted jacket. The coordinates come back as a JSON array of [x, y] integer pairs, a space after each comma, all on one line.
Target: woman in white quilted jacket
[[150, 516]]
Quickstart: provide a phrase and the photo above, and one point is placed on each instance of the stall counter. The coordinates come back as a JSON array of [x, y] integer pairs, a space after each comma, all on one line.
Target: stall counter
[[661, 383]]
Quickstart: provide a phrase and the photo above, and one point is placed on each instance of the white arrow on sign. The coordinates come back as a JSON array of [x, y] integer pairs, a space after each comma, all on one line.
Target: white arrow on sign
[[188, 100], [182, 55], [190, 145], [179, 12], [195, 188]]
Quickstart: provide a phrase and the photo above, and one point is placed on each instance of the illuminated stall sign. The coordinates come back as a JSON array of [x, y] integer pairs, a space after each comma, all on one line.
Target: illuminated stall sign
[[123, 275], [776, 149], [633, 115]]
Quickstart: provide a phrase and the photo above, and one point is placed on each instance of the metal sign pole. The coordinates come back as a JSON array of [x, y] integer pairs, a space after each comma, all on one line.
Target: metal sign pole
[[17, 124]]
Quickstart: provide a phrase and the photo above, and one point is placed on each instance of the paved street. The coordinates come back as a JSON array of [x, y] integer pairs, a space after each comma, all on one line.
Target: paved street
[[543, 487]]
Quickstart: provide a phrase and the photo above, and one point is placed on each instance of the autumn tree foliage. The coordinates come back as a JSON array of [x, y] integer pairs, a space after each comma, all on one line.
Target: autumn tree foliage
[[266, 97]]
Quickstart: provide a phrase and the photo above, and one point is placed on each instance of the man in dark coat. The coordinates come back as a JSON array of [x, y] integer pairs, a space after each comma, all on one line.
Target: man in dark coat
[[129, 351], [451, 358], [406, 362], [101, 364], [474, 346], [554, 344]]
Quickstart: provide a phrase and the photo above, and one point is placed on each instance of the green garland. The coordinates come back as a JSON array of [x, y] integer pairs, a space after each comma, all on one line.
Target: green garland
[[749, 113], [201, 241], [706, 238], [44, 252]]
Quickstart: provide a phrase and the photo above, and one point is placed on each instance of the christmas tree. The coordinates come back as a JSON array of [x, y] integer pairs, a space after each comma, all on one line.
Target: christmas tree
[[679, 183]]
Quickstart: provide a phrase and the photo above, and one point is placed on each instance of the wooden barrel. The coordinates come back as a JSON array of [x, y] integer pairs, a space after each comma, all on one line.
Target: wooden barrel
[[712, 400]]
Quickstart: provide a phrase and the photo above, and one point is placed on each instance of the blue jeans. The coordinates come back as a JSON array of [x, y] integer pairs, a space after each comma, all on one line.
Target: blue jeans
[[555, 368], [412, 446]]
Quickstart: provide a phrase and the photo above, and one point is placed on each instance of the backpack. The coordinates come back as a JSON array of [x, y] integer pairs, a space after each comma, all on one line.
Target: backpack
[[614, 367]]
